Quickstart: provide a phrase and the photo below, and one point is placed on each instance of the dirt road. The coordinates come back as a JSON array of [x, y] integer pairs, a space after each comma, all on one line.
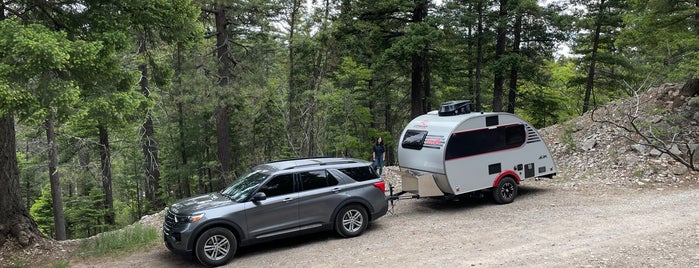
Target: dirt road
[[547, 226]]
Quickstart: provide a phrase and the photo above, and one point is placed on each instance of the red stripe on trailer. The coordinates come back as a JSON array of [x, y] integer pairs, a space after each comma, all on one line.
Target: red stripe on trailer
[[505, 174]]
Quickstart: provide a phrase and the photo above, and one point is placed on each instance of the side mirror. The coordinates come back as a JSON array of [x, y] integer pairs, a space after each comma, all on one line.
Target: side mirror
[[259, 196]]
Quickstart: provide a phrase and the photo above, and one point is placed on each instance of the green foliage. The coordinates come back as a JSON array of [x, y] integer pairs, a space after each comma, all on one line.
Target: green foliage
[[131, 239], [42, 212], [84, 214], [665, 39], [36, 65]]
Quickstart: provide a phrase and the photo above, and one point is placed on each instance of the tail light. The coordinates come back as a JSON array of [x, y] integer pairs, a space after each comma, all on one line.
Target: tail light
[[381, 185]]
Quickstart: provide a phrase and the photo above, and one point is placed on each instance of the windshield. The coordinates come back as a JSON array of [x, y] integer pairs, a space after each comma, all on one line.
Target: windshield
[[241, 188]]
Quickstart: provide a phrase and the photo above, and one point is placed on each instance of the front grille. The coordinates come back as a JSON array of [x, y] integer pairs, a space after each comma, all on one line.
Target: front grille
[[169, 222]]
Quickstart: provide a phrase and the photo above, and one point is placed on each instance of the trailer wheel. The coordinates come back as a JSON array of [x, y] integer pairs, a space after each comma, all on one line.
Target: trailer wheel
[[506, 191], [351, 221]]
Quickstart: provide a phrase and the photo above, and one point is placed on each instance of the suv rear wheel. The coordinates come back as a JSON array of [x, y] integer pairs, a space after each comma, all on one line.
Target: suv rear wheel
[[216, 246], [351, 221]]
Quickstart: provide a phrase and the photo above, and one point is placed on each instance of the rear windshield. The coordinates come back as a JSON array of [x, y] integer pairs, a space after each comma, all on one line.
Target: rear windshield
[[360, 173], [414, 139]]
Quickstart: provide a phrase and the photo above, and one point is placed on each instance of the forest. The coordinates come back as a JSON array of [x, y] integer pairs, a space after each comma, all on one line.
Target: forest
[[110, 110]]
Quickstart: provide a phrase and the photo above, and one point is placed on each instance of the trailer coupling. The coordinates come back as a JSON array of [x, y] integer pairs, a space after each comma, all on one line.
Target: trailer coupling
[[394, 197]]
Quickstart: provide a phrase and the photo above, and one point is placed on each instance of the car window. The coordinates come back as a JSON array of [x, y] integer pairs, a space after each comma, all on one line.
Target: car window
[[279, 185], [241, 187], [360, 173], [316, 179]]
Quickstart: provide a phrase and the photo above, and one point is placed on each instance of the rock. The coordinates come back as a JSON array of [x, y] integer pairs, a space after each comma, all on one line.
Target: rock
[[694, 102], [578, 126], [640, 148], [589, 144], [679, 169], [675, 150], [655, 119], [631, 160], [655, 152]]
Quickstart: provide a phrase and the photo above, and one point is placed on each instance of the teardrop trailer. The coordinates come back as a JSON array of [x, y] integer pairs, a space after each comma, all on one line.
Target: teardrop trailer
[[454, 152]]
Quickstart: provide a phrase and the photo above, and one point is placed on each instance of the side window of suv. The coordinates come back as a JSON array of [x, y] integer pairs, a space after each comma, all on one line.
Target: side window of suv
[[316, 179], [279, 185], [360, 173]]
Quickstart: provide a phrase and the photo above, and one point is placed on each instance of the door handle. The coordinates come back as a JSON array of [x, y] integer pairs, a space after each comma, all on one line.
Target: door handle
[[288, 199], [336, 190]]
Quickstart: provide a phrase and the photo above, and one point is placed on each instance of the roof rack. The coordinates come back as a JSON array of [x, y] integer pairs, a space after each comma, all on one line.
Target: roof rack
[[319, 163]]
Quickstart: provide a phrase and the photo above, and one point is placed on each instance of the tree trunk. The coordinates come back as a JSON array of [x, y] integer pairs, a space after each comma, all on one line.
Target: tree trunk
[[514, 69], [420, 91], [479, 56], [294, 124], [15, 222], [106, 165], [590, 82], [180, 120], [54, 178], [500, 39], [225, 68], [148, 143]]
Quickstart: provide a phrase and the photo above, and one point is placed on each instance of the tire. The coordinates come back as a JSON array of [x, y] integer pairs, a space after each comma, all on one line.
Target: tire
[[351, 221], [506, 191], [215, 247]]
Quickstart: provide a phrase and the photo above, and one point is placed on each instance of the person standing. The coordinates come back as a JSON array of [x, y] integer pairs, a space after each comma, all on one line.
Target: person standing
[[378, 155]]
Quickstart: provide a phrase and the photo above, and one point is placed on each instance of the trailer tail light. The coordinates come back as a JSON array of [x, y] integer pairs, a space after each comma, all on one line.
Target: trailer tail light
[[381, 185]]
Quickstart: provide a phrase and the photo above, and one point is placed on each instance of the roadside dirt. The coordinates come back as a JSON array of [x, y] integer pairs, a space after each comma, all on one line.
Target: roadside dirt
[[549, 225]]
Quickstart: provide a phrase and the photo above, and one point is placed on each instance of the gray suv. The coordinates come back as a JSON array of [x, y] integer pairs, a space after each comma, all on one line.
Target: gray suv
[[275, 200]]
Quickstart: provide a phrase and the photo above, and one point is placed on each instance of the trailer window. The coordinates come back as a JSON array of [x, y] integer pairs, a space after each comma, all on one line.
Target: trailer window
[[483, 141], [414, 139]]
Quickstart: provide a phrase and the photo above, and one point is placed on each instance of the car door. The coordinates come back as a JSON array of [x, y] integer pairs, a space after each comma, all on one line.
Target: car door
[[320, 194], [278, 213]]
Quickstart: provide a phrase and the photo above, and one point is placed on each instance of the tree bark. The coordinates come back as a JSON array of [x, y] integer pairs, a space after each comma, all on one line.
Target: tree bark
[[106, 165], [225, 67], [479, 56], [54, 178], [420, 83], [187, 191], [499, 78], [148, 143], [15, 222], [514, 69], [590, 82], [294, 125]]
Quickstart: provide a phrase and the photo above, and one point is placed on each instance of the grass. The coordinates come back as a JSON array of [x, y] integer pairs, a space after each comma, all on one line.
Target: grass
[[121, 241]]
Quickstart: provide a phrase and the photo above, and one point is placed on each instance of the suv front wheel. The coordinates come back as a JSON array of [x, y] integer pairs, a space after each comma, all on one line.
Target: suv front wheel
[[351, 221], [216, 246]]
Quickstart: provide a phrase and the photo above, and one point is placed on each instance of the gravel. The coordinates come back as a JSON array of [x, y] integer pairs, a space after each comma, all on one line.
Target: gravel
[[549, 225]]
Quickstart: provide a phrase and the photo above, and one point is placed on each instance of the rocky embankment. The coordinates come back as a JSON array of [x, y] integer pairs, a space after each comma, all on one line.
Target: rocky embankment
[[602, 147]]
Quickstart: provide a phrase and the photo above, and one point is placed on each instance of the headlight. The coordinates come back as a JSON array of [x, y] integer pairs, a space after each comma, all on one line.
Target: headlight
[[192, 218]]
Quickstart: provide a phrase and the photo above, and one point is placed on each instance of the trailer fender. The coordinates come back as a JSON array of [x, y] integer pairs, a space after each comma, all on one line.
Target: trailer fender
[[506, 173]]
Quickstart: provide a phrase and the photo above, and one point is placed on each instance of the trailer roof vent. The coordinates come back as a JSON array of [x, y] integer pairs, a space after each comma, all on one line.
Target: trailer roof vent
[[456, 107]]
